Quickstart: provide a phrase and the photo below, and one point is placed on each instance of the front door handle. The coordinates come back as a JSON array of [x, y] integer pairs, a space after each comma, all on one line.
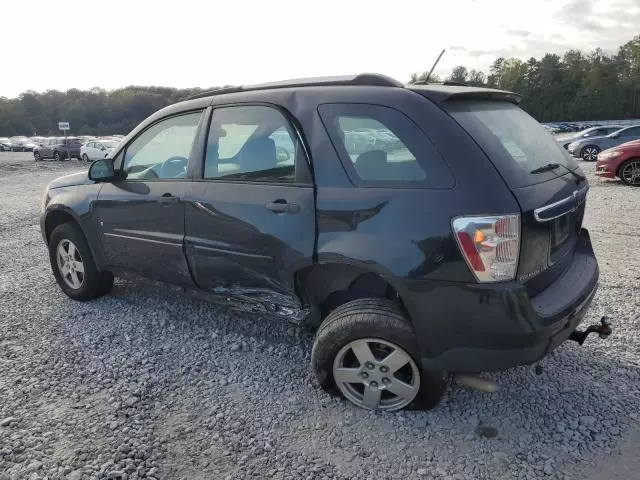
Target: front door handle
[[168, 199], [281, 206]]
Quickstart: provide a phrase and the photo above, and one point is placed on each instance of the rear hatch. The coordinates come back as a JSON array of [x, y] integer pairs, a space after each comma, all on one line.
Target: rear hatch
[[545, 180]]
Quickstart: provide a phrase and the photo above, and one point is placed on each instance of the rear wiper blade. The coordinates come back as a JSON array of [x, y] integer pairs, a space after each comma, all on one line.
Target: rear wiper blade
[[553, 166], [545, 168]]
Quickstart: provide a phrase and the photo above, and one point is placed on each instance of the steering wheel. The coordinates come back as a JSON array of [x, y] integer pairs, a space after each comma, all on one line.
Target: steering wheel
[[174, 167]]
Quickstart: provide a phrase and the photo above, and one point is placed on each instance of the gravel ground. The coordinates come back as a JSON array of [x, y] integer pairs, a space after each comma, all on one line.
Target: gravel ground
[[150, 382]]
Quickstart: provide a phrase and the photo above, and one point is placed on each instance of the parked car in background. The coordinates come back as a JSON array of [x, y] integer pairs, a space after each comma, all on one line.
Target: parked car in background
[[17, 143], [563, 127], [5, 144], [30, 145], [589, 148], [97, 149], [58, 148], [622, 161], [591, 132], [460, 251]]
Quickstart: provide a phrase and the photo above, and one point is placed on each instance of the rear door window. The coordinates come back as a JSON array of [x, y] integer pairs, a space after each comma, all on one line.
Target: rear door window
[[514, 141], [252, 143], [380, 146]]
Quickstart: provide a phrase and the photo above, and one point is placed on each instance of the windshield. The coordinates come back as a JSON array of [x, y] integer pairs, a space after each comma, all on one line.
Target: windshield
[[515, 141]]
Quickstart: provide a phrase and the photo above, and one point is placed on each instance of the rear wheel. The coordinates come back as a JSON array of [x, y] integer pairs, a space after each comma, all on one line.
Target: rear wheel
[[73, 265], [366, 350], [590, 153], [85, 158], [56, 156], [36, 156], [629, 172]]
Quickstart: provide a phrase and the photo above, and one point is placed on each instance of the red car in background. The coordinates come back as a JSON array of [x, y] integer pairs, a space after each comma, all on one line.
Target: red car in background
[[622, 161]]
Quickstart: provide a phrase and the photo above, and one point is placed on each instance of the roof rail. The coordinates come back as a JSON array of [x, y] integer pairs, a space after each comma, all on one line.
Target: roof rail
[[363, 79], [215, 91]]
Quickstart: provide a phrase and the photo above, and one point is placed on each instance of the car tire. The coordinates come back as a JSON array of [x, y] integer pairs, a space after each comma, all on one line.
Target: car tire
[[629, 172], [85, 158], [56, 156], [36, 156], [73, 265], [590, 153], [376, 328]]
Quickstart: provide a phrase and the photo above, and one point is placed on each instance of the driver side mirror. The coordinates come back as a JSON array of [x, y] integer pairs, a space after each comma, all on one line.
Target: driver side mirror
[[102, 170]]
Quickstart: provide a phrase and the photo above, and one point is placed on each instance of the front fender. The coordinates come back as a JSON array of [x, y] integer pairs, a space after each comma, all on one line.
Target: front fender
[[75, 202]]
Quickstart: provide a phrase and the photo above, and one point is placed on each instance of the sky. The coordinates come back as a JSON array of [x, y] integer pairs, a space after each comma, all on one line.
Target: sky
[[111, 44]]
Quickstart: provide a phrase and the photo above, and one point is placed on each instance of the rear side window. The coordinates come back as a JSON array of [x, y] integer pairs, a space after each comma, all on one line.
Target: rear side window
[[514, 141], [380, 146], [630, 132]]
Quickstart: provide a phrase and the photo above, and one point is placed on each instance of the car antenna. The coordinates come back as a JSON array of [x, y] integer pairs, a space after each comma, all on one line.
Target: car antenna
[[426, 80]]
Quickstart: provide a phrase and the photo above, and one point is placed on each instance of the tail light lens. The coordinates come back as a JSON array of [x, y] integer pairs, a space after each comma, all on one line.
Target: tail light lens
[[490, 245]]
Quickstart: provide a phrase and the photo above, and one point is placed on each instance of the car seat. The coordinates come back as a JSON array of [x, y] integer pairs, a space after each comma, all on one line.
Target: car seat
[[258, 154]]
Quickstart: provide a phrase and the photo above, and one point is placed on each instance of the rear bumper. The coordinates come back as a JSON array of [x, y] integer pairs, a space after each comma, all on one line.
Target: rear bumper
[[480, 328]]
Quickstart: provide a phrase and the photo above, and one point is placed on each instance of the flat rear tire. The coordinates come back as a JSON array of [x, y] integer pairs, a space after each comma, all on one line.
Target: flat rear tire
[[366, 351]]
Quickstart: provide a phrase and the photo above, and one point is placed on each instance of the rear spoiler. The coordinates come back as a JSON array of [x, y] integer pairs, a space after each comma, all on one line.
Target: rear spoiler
[[448, 93]]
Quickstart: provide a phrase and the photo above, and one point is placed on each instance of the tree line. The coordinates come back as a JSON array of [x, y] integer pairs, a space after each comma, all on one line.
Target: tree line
[[575, 86], [90, 112]]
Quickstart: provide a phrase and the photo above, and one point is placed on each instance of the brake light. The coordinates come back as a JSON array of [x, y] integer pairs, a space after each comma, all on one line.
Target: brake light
[[490, 245]]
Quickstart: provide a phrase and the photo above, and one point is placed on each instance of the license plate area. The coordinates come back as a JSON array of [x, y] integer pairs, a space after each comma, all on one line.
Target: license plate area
[[564, 234], [562, 228]]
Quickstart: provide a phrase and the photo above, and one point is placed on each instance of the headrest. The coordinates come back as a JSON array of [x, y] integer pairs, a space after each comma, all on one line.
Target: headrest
[[372, 165]]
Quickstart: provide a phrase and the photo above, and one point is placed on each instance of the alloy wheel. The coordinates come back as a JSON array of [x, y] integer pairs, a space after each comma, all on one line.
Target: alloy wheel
[[376, 374], [590, 154], [630, 173], [70, 264]]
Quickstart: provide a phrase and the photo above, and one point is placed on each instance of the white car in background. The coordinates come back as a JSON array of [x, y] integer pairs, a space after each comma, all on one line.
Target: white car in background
[[96, 149]]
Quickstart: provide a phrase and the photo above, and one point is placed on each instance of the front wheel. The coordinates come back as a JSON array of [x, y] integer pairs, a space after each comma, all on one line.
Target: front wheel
[[590, 153], [36, 156], [57, 157], [367, 350], [630, 172], [73, 265]]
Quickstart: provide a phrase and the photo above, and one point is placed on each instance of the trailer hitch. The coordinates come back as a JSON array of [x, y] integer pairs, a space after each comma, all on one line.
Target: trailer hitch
[[603, 330]]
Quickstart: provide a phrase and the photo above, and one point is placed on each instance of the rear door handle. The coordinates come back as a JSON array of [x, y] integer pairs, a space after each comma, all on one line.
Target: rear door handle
[[168, 199], [281, 206]]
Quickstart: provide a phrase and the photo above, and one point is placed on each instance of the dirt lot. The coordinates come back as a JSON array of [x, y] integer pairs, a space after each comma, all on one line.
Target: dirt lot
[[149, 382]]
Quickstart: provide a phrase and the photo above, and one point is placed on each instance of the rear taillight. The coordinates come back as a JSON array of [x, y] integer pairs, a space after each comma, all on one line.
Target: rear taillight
[[490, 245]]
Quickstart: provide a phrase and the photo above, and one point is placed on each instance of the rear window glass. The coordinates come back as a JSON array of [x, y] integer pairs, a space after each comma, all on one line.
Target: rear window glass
[[379, 145], [513, 140]]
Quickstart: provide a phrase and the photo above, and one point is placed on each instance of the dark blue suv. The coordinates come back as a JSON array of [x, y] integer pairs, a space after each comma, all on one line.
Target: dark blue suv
[[418, 230]]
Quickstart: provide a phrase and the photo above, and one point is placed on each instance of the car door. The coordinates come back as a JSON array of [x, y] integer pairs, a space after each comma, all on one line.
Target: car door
[[94, 151], [141, 218], [87, 150], [253, 224], [98, 150]]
